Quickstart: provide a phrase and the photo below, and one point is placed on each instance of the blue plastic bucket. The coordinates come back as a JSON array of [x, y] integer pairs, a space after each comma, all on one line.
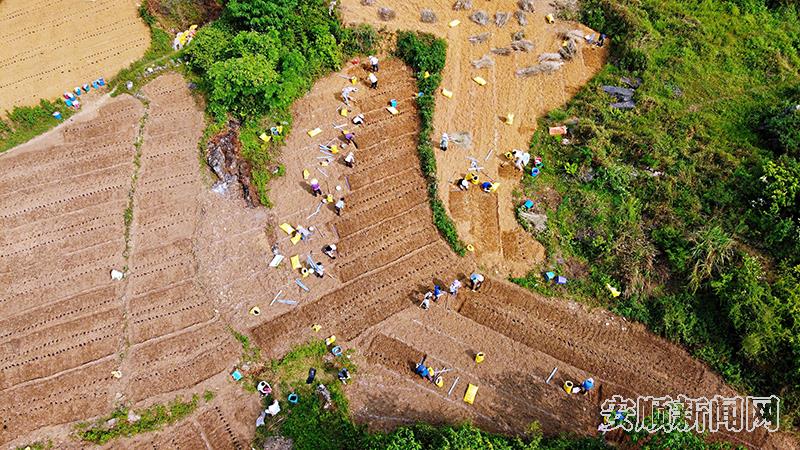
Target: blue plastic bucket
[[293, 398]]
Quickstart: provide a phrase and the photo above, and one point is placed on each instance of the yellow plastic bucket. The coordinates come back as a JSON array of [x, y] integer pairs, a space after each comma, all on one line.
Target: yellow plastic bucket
[[568, 386], [479, 357]]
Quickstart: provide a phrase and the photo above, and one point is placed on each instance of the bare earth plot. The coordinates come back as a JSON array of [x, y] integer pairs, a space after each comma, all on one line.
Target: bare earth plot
[[197, 262], [390, 254], [66, 326], [488, 222], [50, 46]]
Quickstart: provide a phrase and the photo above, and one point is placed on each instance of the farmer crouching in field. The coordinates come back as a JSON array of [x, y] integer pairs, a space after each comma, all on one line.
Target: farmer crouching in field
[[315, 189], [373, 81]]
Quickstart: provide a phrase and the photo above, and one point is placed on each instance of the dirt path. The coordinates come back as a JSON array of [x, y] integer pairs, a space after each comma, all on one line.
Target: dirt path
[[489, 224], [52, 46]]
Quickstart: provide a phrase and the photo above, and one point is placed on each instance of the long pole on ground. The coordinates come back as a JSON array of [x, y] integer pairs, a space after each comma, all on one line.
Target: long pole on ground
[[555, 369]]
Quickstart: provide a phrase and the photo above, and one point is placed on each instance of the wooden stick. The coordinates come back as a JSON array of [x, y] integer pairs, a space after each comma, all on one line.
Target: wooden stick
[[453, 386], [555, 369]]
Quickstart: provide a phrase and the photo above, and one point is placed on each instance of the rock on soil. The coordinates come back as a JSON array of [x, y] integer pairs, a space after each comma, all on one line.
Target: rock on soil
[[479, 17], [479, 38], [223, 154], [462, 5], [521, 18], [484, 61], [427, 16], [526, 5], [522, 45], [386, 14], [501, 18]]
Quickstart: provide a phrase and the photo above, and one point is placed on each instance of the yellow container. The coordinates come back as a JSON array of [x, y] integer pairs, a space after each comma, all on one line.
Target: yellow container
[[330, 340], [568, 386], [439, 382], [479, 357], [472, 391]]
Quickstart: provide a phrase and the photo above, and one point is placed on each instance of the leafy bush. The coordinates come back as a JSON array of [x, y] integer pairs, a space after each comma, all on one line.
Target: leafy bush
[[25, 122], [781, 128], [426, 54], [262, 55], [689, 203], [151, 419]]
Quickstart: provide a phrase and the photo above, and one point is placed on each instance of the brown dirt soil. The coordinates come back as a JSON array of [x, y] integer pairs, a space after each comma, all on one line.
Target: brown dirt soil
[[387, 261], [52, 46], [197, 261], [481, 223], [66, 325]]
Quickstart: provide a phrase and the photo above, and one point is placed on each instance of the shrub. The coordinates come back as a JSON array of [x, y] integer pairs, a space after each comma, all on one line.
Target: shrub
[[426, 53]]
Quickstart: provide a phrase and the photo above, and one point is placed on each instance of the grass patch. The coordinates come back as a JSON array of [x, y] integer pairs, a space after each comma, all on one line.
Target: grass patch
[[426, 54], [688, 203], [38, 445], [159, 53], [24, 123], [250, 352], [151, 419], [306, 423]]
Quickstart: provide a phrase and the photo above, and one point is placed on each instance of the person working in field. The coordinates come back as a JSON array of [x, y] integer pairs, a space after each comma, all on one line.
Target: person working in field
[[315, 189], [373, 81], [422, 370], [373, 62], [351, 139], [339, 206], [477, 281], [350, 160], [330, 250]]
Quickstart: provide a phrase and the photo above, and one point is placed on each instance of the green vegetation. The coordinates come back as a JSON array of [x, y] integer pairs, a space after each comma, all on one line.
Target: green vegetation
[[250, 352], [313, 428], [38, 445], [159, 53], [208, 396], [24, 123], [307, 423], [178, 14], [426, 54], [117, 425], [690, 203], [259, 57]]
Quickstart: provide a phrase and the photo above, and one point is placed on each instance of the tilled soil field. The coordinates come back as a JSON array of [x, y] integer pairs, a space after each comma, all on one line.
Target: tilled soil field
[[66, 325], [51, 46], [481, 110], [390, 255], [196, 262]]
